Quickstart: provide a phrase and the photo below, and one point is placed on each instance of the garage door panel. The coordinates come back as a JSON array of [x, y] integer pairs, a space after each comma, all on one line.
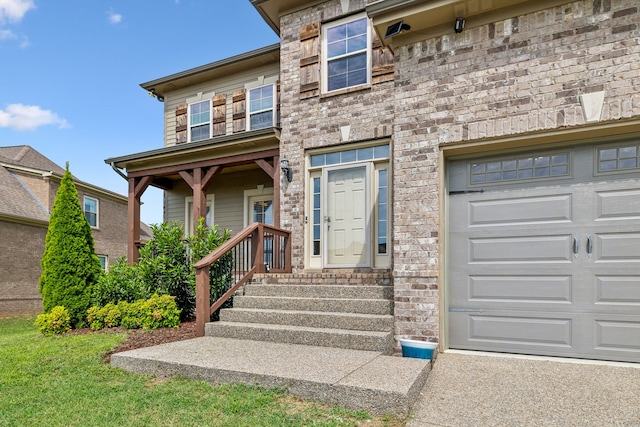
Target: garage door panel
[[619, 336], [522, 330], [522, 249], [617, 290], [617, 247], [520, 289], [520, 210], [615, 205]]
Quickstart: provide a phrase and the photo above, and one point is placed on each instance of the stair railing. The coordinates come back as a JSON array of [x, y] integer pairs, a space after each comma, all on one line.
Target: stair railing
[[258, 248]]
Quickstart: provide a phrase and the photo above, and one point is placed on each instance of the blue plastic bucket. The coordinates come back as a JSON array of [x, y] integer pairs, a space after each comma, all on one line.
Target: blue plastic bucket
[[418, 349]]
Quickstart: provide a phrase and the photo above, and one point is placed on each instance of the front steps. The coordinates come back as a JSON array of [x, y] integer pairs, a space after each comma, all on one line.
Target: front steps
[[329, 340], [341, 316]]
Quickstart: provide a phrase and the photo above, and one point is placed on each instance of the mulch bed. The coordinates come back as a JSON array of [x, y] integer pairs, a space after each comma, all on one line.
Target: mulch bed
[[139, 338]]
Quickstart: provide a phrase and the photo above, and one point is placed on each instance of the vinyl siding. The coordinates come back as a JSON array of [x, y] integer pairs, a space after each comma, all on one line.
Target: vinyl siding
[[219, 87], [228, 190]]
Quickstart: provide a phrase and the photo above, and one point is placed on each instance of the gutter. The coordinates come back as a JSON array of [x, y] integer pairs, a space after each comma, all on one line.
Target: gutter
[[118, 171]]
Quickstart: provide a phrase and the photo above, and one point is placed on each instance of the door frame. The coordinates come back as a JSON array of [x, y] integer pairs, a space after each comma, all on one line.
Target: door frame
[[260, 192], [325, 224]]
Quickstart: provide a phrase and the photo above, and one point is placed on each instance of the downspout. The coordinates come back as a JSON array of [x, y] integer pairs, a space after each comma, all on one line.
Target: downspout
[[118, 171]]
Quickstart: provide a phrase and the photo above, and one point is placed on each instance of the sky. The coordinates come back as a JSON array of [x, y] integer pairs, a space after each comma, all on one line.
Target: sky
[[70, 72]]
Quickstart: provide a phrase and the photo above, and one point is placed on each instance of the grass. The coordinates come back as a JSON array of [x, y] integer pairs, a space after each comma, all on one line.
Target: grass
[[61, 381]]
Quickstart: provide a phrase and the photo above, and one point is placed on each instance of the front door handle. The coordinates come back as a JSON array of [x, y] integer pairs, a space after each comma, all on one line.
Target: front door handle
[[589, 246], [576, 246]]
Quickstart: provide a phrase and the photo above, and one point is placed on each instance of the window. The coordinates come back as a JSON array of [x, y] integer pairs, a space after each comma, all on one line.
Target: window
[[619, 158], [103, 262], [188, 220], [261, 107], [200, 120], [382, 204], [346, 48], [522, 168], [91, 211]]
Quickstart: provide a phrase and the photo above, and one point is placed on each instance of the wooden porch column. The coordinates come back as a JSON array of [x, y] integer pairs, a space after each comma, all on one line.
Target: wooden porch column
[[275, 173], [199, 183], [137, 186]]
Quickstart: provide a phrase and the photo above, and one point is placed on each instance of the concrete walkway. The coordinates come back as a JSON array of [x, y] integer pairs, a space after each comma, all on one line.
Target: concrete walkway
[[475, 389], [355, 379]]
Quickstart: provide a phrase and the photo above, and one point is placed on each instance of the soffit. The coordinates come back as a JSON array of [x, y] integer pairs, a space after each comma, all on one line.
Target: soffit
[[214, 70], [429, 18], [272, 10]]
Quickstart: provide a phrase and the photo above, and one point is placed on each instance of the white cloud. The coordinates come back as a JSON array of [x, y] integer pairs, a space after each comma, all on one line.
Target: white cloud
[[7, 35], [14, 10], [29, 117], [114, 18]]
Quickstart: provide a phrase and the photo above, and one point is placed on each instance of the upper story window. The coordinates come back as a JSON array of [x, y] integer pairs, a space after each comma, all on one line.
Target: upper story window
[[200, 120], [346, 47], [91, 211], [261, 107]]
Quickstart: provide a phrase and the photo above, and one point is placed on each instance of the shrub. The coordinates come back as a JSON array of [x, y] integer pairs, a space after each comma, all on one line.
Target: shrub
[[69, 265], [57, 321], [155, 312], [108, 316], [165, 267], [120, 283]]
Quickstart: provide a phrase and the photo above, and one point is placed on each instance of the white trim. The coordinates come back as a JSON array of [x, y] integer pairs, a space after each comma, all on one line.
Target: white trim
[[106, 261], [200, 97], [260, 190], [273, 108], [325, 61], [84, 211], [189, 226]]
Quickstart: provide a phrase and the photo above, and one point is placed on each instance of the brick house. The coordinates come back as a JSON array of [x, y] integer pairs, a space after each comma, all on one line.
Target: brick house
[[483, 158], [29, 182]]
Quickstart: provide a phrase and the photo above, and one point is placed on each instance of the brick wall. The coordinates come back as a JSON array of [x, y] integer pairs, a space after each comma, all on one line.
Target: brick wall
[[316, 121], [110, 238], [517, 76], [22, 247]]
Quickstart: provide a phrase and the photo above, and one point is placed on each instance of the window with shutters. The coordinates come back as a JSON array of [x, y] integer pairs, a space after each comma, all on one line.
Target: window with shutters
[[261, 107], [200, 120], [346, 53]]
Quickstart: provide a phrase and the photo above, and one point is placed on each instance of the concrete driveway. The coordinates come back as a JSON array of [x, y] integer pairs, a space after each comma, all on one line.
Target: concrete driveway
[[476, 389]]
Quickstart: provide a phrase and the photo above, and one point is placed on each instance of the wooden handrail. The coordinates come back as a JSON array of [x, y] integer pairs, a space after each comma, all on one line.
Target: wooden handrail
[[256, 233]]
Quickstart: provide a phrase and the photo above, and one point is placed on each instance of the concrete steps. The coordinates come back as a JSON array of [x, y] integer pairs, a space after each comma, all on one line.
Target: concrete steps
[[350, 317], [321, 341]]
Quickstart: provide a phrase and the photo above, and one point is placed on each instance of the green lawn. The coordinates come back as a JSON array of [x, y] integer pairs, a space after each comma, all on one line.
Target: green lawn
[[61, 381]]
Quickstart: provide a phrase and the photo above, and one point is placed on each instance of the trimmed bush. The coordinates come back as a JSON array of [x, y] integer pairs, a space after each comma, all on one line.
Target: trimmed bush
[[159, 311], [69, 265], [56, 322]]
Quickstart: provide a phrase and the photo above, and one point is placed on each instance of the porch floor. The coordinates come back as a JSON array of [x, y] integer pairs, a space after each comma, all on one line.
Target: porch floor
[[356, 379]]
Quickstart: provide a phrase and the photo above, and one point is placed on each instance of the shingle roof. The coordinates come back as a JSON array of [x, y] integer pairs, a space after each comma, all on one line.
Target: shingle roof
[[25, 156], [16, 200]]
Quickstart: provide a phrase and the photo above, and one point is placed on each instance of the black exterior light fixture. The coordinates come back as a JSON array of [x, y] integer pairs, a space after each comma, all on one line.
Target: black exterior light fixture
[[396, 29], [286, 170], [459, 25], [152, 93]]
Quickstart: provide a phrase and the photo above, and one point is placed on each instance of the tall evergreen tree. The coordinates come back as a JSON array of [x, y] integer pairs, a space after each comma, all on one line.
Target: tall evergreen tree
[[70, 266]]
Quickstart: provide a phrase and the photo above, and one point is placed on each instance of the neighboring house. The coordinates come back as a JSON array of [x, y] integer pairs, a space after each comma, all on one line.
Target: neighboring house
[[28, 185], [484, 155]]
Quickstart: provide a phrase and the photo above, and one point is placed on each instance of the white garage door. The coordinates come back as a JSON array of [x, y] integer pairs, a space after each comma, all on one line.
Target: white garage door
[[544, 253]]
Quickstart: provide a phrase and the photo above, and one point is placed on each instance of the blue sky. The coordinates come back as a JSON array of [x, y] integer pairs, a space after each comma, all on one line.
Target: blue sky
[[70, 72]]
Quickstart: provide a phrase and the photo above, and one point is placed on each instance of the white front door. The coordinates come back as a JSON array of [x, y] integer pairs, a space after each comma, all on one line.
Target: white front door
[[347, 217]]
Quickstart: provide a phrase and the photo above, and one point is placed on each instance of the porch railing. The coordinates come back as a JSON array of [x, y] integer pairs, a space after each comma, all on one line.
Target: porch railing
[[258, 248]]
